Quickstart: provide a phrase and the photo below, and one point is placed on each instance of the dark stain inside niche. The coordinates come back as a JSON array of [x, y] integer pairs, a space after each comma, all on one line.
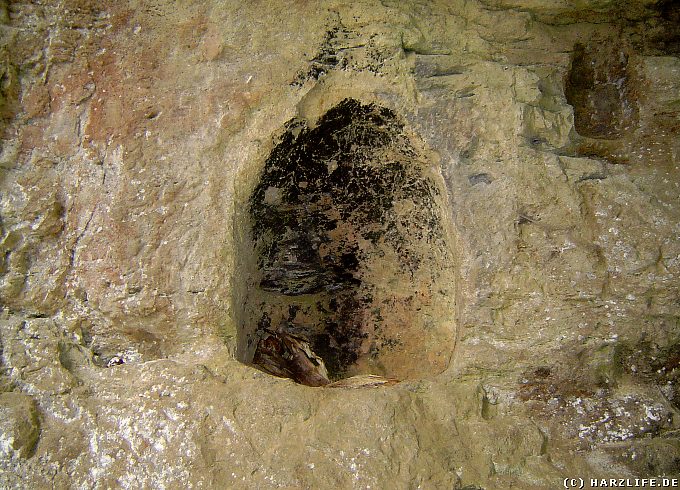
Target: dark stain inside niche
[[601, 86], [663, 33], [339, 208]]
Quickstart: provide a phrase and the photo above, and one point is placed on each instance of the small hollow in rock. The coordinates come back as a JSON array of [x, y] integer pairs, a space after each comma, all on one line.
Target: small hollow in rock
[[601, 86], [345, 262]]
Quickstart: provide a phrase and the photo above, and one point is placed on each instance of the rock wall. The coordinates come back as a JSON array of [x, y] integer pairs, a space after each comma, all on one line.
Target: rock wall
[[537, 340]]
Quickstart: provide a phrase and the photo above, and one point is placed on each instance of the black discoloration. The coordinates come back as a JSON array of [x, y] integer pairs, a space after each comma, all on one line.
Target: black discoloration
[[329, 56], [601, 87], [663, 34], [343, 49], [326, 203]]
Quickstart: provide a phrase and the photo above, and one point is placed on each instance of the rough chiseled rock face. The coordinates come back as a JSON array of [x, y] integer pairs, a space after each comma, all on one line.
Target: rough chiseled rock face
[[499, 229]]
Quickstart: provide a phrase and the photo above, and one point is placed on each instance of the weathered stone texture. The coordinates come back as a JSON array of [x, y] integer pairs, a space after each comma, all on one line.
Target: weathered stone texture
[[134, 137]]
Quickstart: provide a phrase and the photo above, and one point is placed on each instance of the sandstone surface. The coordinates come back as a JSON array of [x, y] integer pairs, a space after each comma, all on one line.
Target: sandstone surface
[[506, 244]]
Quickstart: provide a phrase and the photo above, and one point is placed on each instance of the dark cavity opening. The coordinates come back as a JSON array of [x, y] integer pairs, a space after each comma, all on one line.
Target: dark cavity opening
[[601, 88], [345, 262]]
